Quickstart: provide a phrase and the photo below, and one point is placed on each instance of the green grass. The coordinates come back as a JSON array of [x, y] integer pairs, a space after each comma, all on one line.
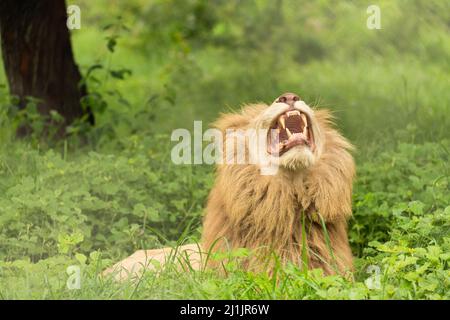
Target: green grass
[[59, 212], [104, 192]]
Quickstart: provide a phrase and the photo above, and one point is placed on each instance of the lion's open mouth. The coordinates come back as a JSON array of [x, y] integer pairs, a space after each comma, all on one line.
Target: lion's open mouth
[[290, 129]]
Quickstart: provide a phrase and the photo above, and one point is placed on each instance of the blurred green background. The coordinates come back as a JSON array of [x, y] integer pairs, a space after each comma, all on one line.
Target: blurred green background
[[193, 59], [210, 56]]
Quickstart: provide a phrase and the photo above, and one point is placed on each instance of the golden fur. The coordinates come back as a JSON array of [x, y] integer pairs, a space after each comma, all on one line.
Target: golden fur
[[266, 212], [310, 191]]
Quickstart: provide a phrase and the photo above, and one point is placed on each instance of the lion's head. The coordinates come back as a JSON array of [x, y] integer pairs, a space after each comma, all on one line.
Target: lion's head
[[294, 135], [286, 134]]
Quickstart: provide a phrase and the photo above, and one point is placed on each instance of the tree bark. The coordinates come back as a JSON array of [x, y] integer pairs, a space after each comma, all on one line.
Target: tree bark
[[38, 58]]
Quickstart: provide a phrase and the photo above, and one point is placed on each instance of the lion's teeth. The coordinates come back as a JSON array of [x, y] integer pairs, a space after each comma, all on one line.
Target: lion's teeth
[[283, 122], [305, 132], [305, 120], [293, 113], [288, 132]]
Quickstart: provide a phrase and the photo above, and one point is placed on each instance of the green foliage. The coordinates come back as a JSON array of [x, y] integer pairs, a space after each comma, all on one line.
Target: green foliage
[[56, 212], [413, 180], [122, 202]]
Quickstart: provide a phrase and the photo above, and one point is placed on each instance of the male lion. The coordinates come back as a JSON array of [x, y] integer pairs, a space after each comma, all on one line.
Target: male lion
[[313, 187], [299, 212]]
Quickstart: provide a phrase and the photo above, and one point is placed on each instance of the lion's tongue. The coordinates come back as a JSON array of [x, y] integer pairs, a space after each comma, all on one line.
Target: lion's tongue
[[293, 130], [295, 139]]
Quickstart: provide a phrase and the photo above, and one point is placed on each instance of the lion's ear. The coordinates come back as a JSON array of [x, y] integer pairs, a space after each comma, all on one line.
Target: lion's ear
[[238, 120], [330, 180]]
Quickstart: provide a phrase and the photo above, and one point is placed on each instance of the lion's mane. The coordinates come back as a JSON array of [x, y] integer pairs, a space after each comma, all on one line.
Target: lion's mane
[[269, 212]]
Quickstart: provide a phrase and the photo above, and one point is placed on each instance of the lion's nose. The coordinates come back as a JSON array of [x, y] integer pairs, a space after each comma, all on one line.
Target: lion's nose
[[288, 98]]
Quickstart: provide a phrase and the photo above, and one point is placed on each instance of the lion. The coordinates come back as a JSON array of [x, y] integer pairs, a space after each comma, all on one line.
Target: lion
[[313, 187], [298, 213]]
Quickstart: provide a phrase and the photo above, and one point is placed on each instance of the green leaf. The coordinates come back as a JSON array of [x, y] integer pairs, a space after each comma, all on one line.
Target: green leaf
[[416, 207], [81, 258], [111, 43]]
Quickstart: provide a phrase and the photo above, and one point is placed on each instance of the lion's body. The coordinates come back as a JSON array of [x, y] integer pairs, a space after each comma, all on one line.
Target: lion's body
[[300, 213], [268, 212]]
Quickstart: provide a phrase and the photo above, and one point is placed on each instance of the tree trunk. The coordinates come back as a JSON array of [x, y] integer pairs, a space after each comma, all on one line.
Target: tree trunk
[[38, 58]]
